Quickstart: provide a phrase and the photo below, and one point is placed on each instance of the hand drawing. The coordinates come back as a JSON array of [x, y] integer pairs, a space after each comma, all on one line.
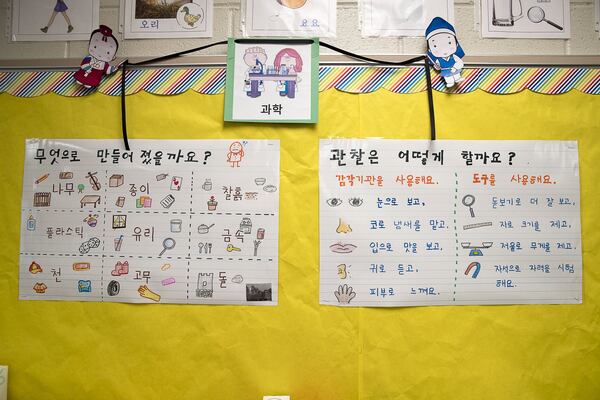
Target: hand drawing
[[61, 8], [115, 180], [203, 228], [333, 202], [237, 279], [40, 287], [475, 226], [468, 200], [92, 243], [35, 268], [168, 244], [41, 179], [256, 244], [342, 248], [167, 281], [355, 201], [204, 286], [343, 227], [473, 265], [145, 292], [235, 155], [190, 19], [84, 286], [260, 181], [121, 268], [342, 271], [113, 288], [231, 248], [270, 188], [344, 294], [212, 203]]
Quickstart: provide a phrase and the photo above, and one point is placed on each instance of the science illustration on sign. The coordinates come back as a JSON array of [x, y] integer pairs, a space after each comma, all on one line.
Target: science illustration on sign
[[179, 222], [406, 223], [272, 82]]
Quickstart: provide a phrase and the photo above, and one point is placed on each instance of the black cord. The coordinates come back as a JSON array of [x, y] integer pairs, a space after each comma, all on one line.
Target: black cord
[[326, 45]]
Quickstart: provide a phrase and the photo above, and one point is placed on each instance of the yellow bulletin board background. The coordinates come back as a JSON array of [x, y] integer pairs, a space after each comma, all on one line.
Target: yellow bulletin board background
[[74, 350]]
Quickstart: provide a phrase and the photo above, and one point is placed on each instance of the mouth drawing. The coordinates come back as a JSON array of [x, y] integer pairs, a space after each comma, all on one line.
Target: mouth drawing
[[342, 248]]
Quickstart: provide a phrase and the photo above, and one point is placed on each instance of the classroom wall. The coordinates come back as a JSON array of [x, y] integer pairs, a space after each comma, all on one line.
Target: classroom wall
[[584, 39]]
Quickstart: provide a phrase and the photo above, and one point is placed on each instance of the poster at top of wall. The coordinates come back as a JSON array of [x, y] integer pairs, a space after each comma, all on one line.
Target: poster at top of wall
[[54, 20], [535, 19], [414, 222], [272, 81], [177, 221], [149, 19], [307, 18], [402, 17]]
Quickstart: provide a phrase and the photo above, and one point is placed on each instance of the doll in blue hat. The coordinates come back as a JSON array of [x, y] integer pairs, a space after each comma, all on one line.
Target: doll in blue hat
[[444, 51]]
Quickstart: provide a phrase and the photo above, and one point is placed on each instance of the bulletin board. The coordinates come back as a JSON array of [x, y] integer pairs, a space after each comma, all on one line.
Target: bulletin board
[[300, 348]]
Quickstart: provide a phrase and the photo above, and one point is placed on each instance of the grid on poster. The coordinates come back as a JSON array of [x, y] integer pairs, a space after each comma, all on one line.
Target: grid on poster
[[168, 222]]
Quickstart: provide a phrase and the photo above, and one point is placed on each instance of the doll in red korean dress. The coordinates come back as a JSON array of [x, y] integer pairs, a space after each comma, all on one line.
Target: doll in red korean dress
[[102, 49]]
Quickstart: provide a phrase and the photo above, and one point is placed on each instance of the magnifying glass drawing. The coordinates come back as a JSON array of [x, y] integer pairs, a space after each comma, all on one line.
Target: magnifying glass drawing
[[468, 201], [537, 15], [168, 244]]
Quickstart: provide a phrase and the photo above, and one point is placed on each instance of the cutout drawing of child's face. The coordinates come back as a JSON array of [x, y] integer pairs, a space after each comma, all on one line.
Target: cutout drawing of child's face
[[442, 45], [235, 147], [101, 50], [288, 61], [250, 58]]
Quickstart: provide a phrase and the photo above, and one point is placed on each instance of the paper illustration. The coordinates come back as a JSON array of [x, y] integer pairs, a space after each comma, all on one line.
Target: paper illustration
[[168, 222], [549, 19], [406, 223], [147, 19], [402, 17], [444, 52], [307, 18], [272, 82], [102, 50], [54, 20]]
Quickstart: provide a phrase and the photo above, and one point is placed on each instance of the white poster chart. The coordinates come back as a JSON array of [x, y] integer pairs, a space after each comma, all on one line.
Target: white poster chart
[[54, 20], [409, 223], [402, 17], [296, 18], [534, 19], [177, 221], [167, 19]]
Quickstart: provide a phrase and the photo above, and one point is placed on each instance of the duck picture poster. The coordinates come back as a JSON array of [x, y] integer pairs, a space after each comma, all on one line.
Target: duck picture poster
[[272, 80], [149, 19], [54, 20], [170, 221], [306, 18]]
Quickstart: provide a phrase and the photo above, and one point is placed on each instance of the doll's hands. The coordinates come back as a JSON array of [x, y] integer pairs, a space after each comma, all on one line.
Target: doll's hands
[[458, 63]]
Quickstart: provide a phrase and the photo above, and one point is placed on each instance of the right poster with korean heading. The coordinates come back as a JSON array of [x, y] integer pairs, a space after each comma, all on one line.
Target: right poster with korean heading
[[410, 222]]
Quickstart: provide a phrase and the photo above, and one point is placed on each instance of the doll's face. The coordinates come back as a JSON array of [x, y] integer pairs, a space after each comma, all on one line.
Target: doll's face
[[101, 50], [250, 58], [442, 45]]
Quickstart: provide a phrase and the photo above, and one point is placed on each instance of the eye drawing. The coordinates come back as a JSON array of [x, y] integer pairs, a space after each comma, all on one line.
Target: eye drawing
[[355, 201], [334, 202]]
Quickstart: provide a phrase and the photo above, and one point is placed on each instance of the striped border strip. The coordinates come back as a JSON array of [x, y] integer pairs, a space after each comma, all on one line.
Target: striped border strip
[[171, 81]]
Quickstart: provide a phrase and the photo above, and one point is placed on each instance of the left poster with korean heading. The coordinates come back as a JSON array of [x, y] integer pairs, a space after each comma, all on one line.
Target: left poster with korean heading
[[151, 19], [272, 80], [54, 20], [190, 221]]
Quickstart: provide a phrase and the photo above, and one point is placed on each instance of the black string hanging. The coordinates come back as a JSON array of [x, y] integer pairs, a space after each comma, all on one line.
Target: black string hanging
[[410, 61]]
